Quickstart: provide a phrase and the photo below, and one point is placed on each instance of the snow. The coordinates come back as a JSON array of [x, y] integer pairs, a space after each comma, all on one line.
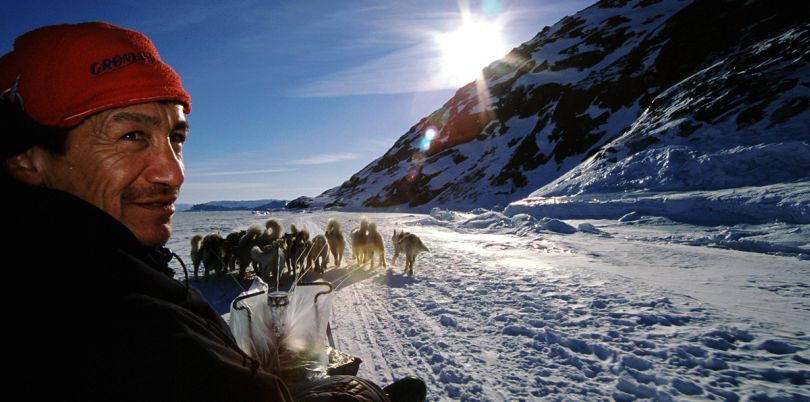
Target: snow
[[785, 202], [513, 306]]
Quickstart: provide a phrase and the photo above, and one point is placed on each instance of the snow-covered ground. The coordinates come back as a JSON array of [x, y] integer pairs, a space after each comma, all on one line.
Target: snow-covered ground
[[525, 309]]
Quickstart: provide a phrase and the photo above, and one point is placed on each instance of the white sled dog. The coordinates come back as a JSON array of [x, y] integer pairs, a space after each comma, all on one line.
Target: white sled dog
[[411, 245], [270, 259], [359, 239], [335, 239], [374, 244]]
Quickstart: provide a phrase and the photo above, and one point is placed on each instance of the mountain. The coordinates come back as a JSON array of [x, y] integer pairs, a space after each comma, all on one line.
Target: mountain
[[624, 96], [257, 205]]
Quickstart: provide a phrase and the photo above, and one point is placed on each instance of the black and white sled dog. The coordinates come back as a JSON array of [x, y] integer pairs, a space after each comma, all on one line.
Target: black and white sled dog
[[409, 244], [297, 243], [243, 247], [231, 248], [318, 254]]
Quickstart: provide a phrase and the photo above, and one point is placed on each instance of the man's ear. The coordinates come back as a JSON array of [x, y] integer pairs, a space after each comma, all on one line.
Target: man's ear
[[23, 168]]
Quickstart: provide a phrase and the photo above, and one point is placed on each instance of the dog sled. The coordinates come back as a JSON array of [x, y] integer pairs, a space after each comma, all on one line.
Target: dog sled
[[288, 332]]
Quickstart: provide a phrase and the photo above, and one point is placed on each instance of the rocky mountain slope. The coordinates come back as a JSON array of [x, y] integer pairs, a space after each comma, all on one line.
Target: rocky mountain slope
[[623, 96]]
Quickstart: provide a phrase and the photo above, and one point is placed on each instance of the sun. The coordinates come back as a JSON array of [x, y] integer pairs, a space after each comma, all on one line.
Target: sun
[[468, 49]]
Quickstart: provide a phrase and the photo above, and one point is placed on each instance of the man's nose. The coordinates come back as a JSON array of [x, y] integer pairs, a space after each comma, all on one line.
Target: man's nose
[[165, 165]]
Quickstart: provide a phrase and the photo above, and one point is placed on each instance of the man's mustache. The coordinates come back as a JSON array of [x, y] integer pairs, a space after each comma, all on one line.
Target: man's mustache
[[152, 193]]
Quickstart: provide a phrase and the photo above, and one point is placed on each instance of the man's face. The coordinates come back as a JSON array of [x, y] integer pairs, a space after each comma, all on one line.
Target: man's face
[[127, 162]]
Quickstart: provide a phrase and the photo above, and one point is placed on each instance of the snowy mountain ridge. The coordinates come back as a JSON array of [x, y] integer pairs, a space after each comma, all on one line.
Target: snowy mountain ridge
[[625, 99], [252, 205]]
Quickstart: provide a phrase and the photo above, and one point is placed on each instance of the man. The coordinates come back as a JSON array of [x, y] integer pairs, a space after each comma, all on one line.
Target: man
[[93, 126]]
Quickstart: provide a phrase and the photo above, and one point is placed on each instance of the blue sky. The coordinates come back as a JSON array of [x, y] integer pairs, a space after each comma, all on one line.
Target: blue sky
[[291, 98]]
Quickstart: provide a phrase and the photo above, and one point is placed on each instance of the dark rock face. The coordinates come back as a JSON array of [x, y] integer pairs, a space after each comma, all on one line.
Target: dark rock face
[[730, 119], [299, 203], [580, 90]]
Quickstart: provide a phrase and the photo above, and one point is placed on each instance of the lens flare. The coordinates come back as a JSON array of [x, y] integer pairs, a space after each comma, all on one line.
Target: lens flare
[[412, 174], [427, 138], [492, 8]]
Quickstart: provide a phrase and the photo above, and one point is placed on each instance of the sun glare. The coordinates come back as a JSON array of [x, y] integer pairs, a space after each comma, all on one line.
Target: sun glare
[[470, 48]]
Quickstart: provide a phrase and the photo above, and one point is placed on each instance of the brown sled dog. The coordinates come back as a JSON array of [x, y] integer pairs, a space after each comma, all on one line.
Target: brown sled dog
[[335, 239], [359, 239], [374, 244]]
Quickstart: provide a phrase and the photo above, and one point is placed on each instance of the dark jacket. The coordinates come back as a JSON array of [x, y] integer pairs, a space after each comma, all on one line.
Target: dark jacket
[[97, 316]]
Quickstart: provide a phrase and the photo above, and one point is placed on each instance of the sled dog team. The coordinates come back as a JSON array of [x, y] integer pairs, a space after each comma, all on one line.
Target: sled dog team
[[269, 251]]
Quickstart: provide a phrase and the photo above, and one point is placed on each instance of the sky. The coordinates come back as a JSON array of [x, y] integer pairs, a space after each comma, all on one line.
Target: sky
[[290, 98]]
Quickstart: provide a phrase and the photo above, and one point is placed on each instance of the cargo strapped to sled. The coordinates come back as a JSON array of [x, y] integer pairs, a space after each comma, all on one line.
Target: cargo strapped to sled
[[267, 329]]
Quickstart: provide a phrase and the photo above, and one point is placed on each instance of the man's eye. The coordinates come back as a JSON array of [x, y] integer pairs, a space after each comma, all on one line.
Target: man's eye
[[132, 136], [178, 138]]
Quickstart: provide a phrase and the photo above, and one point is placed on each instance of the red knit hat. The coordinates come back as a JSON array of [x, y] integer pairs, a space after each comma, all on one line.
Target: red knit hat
[[61, 74]]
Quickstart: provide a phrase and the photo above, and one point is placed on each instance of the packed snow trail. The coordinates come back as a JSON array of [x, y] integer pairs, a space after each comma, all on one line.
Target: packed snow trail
[[490, 315]]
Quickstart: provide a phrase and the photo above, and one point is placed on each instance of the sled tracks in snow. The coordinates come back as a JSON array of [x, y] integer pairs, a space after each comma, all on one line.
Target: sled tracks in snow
[[485, 321]]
